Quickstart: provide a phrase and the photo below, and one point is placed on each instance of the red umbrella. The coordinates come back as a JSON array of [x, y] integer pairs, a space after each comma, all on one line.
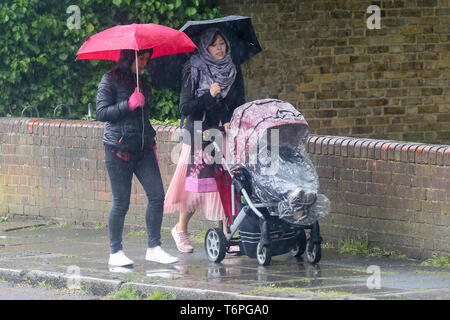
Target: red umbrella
[[106, 45]]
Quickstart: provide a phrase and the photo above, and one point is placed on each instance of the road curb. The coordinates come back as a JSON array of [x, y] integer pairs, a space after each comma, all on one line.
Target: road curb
[[102, 287], [12, 275], [94, 286]]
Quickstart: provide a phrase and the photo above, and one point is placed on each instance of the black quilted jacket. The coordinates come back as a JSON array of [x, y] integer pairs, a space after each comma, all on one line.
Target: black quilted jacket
[[194, 108], [125, 129]]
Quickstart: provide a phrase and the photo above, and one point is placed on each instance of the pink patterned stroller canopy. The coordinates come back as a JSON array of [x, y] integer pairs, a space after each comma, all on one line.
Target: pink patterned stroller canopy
[[267, 138], [254, 121]]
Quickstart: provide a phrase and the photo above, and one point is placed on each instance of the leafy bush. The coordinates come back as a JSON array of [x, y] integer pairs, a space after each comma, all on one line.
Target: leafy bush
[[37, 64]]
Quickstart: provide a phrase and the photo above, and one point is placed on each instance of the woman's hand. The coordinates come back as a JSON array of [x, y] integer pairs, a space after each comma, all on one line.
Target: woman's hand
[[214, 90], [136, 100], [226, 126]]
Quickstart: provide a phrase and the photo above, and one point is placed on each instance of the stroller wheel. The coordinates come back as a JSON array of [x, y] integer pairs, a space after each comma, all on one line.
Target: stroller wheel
[[300, 245], [313, 252], [263, 254], [215, 245]]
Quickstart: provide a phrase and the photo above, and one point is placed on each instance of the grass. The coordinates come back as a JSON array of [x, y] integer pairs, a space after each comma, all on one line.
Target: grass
[[362, 247], [159, 295], [71, 256], [166, 230], [100, 226], [87, 289], [165, 122], [126, 293], [141, 233], [327, 245], [320, 293], [199, 236], [437, 261], [4, 219], [353, 246], [45, 285], [63, 225], [130, 293]]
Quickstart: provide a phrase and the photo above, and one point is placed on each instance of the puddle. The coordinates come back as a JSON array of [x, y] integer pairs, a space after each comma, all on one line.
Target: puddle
[[161, 273], [121, 269], [12, 245], [166, 273], [9, 226], [30, 254]]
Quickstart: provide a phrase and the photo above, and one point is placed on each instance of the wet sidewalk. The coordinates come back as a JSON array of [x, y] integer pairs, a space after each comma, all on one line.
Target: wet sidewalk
[[37, 251]]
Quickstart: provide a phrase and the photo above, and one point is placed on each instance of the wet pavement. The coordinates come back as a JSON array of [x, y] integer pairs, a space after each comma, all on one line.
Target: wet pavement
[[74, 256]]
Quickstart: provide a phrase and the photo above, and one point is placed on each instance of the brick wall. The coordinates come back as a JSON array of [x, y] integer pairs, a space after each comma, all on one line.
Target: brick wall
[[397, 193], [390, 83]]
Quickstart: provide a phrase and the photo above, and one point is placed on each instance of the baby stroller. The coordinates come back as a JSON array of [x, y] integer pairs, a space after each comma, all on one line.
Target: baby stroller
[[269, 187]]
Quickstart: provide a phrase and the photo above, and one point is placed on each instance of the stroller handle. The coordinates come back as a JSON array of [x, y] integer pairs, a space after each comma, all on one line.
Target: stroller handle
[[206, 135]]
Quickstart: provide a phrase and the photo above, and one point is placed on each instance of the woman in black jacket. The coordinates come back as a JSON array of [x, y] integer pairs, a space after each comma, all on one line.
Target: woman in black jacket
[[130, 147], [212, 88]]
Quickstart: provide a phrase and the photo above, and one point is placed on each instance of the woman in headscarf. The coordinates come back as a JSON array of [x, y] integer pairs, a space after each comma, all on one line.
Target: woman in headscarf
[[130, 148], [212, 88]]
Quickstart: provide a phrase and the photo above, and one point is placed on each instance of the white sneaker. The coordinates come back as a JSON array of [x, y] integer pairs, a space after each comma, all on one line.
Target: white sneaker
[[159, 255], [119, 259]]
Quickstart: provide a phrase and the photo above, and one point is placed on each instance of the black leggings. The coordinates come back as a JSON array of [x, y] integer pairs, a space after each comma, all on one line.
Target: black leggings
[[146, 169]]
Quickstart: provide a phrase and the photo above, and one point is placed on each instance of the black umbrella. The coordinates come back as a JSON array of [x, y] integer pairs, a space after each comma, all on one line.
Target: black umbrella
[[238, 30], [166, 71]]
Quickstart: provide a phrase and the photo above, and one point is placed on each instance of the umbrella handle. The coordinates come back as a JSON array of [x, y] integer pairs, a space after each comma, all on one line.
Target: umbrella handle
[[137, 85], [210, 73], [137, 70]]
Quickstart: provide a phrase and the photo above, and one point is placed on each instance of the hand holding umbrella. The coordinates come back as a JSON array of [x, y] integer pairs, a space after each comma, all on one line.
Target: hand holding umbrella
[[107, 44], [214, 90], [136, 100]]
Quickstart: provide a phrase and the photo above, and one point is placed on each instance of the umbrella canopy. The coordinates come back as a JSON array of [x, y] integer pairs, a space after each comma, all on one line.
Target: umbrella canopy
[[107, 44], [166, 71], [238, 29]]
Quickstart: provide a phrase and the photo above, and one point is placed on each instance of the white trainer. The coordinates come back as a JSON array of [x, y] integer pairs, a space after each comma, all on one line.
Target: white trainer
[[159, 255], [119, 259]]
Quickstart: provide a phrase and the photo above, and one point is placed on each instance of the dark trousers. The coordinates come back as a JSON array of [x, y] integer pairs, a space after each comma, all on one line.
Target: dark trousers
[[145, 167]]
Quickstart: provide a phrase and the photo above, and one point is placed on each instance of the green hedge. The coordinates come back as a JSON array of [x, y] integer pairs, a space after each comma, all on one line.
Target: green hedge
[[37, 64]]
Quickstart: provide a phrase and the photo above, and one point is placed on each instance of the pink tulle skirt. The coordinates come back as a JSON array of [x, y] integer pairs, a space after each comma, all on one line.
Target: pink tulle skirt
[[178, 199]]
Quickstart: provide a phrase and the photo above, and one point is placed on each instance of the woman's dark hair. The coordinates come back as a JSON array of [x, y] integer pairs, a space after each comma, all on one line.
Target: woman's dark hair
[[141, 52], [216, 35], [127, 58]]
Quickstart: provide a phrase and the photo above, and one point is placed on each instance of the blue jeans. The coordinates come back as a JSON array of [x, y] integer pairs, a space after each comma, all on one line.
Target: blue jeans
[[146, 169]]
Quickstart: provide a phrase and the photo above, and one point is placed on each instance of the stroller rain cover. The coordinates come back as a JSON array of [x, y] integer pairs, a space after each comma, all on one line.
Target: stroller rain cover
[[267, 137]]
